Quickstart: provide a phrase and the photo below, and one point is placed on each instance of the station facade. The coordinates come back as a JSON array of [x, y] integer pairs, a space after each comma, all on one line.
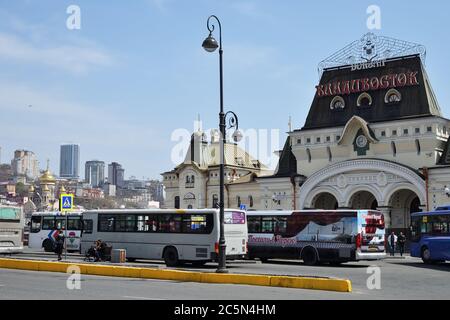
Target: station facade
[[375, 137]]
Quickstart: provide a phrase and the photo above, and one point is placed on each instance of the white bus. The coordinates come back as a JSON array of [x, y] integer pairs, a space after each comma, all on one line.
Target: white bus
[[44, 226], [316, 236], [11, 229], [176, 236]]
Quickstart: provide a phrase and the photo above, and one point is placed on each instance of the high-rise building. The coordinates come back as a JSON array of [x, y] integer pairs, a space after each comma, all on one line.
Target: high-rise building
[[116, 174], [25, 164], [94, 173], [69, 161]]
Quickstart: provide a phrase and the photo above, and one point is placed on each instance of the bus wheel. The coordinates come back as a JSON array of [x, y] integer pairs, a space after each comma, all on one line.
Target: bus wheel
[[426, 255], [48, 245], [309, 256], [171, 257]]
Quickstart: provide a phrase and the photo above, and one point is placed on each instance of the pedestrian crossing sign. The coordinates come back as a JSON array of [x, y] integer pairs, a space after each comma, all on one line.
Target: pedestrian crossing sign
[[66, 202]]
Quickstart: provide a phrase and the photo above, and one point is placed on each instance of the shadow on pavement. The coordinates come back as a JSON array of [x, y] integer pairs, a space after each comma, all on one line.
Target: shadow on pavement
[[421, 265], [299, 263]]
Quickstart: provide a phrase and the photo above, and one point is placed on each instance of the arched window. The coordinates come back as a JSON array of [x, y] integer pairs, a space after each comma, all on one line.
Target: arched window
[[177, 202], [418, 146], [330, 156], [308, 154], [250, 201], [337, 103], [364, 100], [393, 96], [215, 201], [190, 181], [394, 149]]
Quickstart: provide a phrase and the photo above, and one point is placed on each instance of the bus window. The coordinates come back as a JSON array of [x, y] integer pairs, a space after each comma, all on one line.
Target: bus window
[[254, 224], [130, 223], [35, 224], [74, 223], [141, 225], [120, 224], [440, 227], [175, 224], [195, 224], [48, 223], [105, 223], [280, 225], [152, 223], [267, 225], [60, 222], [164, 223]]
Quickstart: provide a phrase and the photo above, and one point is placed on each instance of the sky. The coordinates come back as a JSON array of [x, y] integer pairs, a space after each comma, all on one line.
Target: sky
[[134, 75]]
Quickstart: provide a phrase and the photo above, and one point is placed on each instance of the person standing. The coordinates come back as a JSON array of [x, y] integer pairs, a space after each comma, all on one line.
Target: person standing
[[401, 243], [392, 241], [59, 244]]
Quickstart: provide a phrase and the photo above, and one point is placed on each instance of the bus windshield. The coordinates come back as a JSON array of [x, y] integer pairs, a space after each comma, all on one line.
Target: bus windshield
[[9, 214]]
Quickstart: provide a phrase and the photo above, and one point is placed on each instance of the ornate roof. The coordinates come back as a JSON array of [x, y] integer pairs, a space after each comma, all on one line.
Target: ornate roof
[[371, 48]]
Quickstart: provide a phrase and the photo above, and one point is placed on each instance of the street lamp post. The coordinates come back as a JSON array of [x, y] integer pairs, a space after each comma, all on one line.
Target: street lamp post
[[210, 45]]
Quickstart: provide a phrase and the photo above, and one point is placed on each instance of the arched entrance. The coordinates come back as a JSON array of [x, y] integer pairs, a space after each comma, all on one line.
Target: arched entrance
[[324, 200], [402, 203], [363, 200]]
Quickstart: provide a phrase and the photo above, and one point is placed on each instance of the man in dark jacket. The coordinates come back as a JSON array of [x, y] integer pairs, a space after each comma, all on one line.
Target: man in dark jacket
[[401, 243], [59, 243]]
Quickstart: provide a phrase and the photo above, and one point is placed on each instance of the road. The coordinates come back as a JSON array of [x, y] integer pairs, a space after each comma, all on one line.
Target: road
[[400, 279]]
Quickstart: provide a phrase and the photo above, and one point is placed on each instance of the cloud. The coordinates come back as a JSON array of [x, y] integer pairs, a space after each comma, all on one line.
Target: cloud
[[71, 58]]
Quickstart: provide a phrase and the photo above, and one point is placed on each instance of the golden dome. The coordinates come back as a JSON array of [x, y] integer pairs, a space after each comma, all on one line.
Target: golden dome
[[45, 188], [47, 177], [62, 189], [31, 188]]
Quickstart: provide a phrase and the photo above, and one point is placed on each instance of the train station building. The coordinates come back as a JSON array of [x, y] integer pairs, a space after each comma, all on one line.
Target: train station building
[[374, 137]]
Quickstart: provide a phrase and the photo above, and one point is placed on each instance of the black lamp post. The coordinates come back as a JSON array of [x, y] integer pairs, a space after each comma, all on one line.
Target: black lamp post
[[210, 44]]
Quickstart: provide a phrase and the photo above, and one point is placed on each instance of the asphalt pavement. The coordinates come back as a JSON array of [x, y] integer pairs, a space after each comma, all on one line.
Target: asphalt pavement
[[406, 278]]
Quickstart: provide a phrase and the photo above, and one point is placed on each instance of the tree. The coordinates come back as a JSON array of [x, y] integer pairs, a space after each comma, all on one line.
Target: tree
[[21, 189]]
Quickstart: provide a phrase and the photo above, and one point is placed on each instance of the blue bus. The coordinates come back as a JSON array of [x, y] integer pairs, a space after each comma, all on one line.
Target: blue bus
[[430, 235]]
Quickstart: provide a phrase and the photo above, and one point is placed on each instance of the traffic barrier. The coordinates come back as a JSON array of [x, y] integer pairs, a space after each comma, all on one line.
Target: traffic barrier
[[329, 284]]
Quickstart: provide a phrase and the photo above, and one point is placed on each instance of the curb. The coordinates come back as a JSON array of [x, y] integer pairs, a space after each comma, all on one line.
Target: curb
[[339, 285]]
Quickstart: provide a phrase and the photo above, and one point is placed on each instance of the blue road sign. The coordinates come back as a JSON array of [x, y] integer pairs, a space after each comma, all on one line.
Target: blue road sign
[[243, 207], [66, 201]]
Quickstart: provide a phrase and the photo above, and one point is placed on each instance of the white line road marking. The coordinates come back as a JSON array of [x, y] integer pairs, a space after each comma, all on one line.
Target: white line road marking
[[141, 298]]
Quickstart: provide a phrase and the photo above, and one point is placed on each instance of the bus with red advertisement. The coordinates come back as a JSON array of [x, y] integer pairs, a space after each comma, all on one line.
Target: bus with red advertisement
[[316, 236]]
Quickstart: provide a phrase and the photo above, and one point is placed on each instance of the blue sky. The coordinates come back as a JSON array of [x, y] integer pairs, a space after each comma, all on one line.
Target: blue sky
[[136, 72]]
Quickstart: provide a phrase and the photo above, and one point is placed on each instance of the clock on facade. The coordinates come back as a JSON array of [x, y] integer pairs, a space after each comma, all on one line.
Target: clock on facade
[[361, 141]]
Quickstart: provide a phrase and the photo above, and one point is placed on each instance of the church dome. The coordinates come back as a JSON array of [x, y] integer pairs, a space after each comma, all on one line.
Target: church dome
[[47, 177]]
